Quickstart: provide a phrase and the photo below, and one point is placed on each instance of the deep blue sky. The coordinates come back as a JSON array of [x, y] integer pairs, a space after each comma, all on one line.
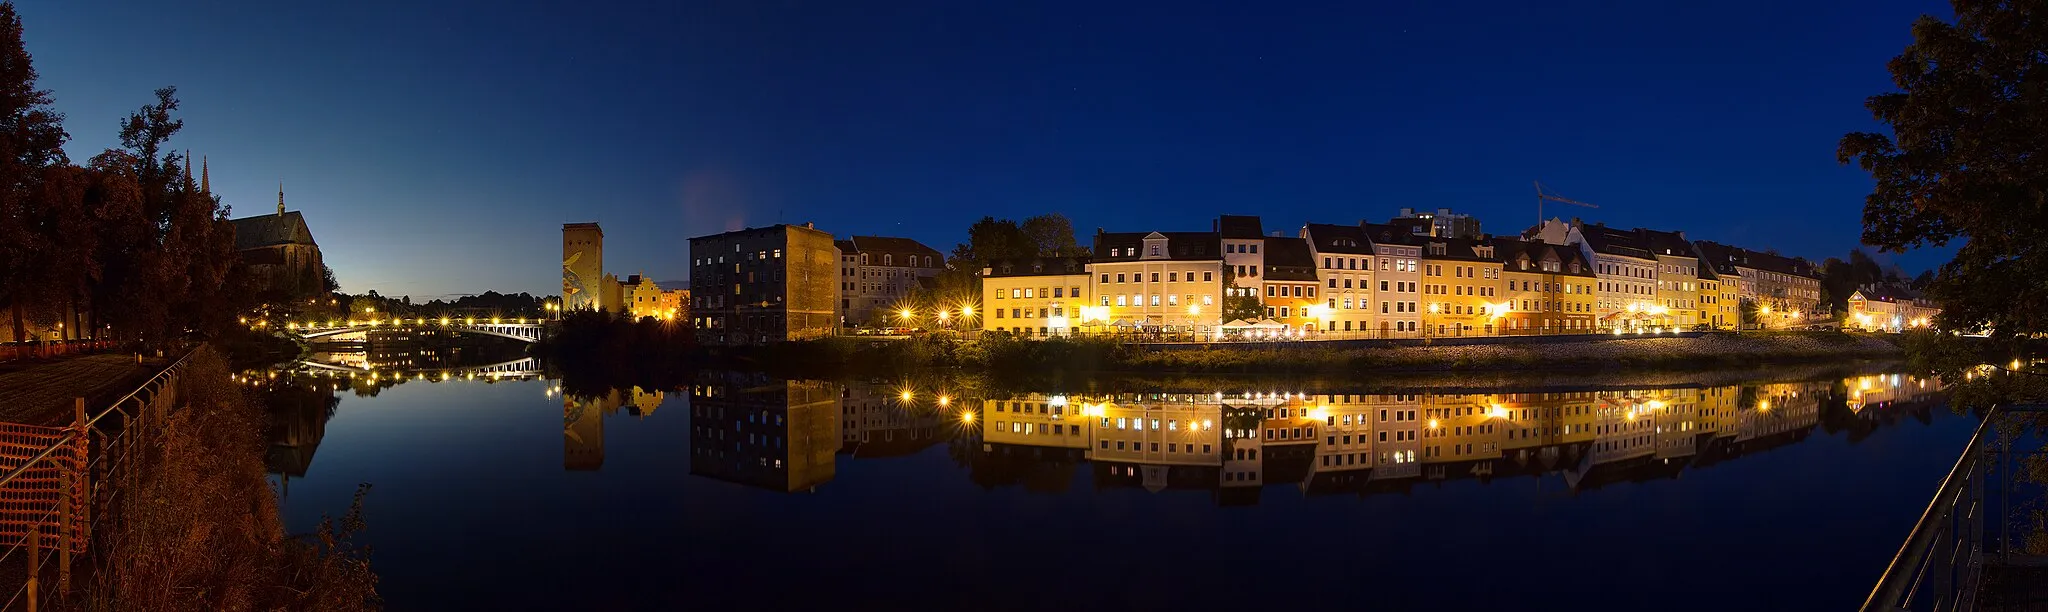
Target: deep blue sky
[[437, 150]]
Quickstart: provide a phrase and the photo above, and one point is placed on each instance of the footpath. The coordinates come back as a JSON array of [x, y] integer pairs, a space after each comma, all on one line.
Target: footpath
[[42, 393]]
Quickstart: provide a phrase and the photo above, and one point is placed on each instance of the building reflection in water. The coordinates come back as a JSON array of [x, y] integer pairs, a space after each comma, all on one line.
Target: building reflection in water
[[787, 435], [765, 432]]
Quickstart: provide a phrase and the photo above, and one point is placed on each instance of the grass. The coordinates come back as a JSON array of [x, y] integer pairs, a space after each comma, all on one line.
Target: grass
[[200, 530]]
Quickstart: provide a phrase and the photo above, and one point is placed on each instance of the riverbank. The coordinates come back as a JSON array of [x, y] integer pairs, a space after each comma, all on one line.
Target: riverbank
[[1001, 355], [199, 526]]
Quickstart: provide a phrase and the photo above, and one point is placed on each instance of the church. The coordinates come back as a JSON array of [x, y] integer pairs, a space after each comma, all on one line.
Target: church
[[279, 251]]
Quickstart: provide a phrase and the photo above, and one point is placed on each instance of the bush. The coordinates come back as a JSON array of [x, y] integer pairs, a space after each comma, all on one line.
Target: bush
[[200, 529]]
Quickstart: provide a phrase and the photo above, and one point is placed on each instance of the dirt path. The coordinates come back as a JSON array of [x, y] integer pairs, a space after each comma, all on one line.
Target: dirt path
[[42, 394]]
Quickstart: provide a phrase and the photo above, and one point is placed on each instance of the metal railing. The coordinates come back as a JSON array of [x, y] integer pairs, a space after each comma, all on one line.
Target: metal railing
[[1942, 564], [79, 471]]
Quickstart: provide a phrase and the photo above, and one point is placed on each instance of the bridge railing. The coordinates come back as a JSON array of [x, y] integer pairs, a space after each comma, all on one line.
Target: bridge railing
[[56, 481], [1970, 526]]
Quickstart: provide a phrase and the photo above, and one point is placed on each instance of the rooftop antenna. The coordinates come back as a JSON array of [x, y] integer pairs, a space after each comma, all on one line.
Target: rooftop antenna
[[1542, 195]]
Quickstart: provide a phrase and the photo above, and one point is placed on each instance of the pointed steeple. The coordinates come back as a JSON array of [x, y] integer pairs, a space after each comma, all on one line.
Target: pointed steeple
[[188, 168], [205, 182], [280, 198]]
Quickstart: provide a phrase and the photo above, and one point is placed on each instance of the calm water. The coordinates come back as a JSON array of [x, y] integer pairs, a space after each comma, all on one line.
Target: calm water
[[779, 494]]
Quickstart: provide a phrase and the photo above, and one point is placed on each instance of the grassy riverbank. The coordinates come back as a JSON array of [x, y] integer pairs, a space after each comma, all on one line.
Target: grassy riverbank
[[200, 530], [997, 354]]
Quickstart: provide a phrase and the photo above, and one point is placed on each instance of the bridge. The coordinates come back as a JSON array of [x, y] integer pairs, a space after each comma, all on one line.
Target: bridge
[[525, 367], [520, 329]]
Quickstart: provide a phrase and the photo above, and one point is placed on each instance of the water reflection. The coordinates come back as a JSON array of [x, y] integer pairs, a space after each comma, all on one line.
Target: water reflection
[[788, 435]]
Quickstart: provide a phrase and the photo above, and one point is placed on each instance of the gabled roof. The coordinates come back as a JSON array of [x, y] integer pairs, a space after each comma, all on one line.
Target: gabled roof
[[1887, 293], [272, 230], [1380, 233], [1129, 246], [888, 245], [1457, 249], [1037, 266], [1289, 259], [1239, 226], [1509, 250], [1671, 244], [1345, 239], [1609, 241], [1726, 258]]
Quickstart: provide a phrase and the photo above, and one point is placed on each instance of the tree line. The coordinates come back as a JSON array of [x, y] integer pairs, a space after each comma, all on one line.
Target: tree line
[[125, 245]]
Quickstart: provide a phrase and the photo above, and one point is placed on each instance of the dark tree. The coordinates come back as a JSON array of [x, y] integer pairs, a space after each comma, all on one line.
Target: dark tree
[[31, 143], [1966, 160], [1247, 307]]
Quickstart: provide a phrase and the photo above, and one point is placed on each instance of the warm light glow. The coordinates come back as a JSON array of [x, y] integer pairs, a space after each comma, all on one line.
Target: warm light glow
[[1763, 405], [942, 316], [966, 310], [1654, 404], [1765, 310], [1631, 415], [1194, 310], [1093, 410], [945, 400], [1432, 424], [444, 320], [1318, 311], [1432, 309], [906, 395], [1498, 412], [967, 416], [904, 314], [1319, 413]]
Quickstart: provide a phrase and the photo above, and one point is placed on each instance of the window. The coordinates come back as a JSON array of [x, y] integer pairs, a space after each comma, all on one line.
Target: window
[[1155, 250], [1255, 248], [1105, 278], [1208, 276], [1119, 277], [1155, 277], [1172, 277]]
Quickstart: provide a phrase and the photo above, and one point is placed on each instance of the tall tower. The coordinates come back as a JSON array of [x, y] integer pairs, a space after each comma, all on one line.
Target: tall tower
[[280, 198], [582, 266], [205, 182]]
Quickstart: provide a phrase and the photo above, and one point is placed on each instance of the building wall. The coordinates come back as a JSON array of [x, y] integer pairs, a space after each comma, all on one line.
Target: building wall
[[1790, 299], [1678, 280], [1347, 291], [812, 281], [767, 284], [1397, 289], [1460, 296], [1035, 305], [1625, 285], [1161, 292], [582, 266], [1293, 303]]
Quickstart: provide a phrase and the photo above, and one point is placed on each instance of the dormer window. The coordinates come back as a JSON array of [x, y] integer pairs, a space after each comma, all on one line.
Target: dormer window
[[1155, 250], [1037, 267], [1437, 248]]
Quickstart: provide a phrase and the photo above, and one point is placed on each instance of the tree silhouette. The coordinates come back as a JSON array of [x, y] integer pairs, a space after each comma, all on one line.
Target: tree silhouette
[[1965, 161]]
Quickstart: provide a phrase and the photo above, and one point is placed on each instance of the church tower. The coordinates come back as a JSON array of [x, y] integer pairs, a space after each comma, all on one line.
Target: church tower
[[280, 198], [205, 182]]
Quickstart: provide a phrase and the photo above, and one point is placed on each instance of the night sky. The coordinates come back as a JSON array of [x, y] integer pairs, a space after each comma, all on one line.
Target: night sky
[[438, 150]]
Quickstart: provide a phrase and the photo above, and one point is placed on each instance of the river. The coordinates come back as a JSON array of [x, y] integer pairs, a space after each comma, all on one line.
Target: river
[[501, 491]]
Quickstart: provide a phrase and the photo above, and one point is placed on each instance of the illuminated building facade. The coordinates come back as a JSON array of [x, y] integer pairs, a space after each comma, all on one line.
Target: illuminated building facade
[[1038, 296], [762, 285]]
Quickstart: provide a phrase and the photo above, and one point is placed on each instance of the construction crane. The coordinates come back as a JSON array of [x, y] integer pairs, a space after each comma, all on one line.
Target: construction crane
[[1542, 195]]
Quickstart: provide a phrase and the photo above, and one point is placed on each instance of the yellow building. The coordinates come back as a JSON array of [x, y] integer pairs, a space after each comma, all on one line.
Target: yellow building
[[1344, 266], [645, 299], [1461, 285], [1547, 288], [1720, 304], [1156, 282], [1040, 296], [1888, 309], [1290, 288], [1463, 428]]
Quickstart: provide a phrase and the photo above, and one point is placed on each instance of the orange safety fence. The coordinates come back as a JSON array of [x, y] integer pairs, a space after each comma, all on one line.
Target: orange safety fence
[[34, 499]]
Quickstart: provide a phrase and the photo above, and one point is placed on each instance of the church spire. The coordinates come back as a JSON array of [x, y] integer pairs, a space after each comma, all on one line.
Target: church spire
[[188, 168], [280, 198], [205, 182]]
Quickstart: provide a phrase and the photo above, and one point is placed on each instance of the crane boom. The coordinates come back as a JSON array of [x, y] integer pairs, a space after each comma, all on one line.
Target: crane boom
[[1542, 196]]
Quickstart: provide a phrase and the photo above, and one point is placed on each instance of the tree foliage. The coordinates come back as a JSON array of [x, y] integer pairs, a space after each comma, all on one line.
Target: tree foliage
[[1966, 161], [1247, 307], [126, 244], [990, 239]]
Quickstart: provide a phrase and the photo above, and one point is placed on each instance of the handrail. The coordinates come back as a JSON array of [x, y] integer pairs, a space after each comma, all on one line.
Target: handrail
[[167, 371], [1892, 585]]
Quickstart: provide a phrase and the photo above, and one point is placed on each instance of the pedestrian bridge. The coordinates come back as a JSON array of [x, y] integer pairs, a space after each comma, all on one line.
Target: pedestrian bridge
[[525, 367], [523, 330]]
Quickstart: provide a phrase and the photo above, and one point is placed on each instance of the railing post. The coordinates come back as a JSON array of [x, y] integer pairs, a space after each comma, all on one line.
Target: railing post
[[85, 480], [34, 551], [66, 479]]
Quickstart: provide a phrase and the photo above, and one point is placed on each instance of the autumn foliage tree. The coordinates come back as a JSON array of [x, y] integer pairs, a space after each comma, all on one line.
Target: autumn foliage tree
[[126, 244], [1966, 162]]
